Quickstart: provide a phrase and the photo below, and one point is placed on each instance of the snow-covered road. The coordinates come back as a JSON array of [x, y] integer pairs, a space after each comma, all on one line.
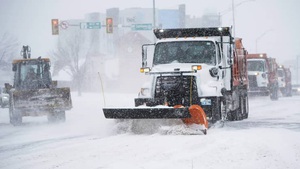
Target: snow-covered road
[[269, 138]]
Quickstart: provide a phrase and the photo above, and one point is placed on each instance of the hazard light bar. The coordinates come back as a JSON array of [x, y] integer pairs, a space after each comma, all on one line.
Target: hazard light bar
[[192, 32]]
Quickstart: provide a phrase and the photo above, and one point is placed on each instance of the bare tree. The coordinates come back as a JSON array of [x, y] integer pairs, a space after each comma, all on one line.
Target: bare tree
[[71, 56], [8, 50]]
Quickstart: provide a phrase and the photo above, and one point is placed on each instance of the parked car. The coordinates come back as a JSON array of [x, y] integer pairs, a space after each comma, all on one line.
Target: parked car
[[4, 98]]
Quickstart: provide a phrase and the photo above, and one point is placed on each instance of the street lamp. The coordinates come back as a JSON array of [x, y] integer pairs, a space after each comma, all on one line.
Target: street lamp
[[233, 13], [263, 34], [153, 13], [154, 39]]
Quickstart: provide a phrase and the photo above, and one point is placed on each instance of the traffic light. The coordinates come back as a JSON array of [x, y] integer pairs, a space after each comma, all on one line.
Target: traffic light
[[109, 25], [55, 26]]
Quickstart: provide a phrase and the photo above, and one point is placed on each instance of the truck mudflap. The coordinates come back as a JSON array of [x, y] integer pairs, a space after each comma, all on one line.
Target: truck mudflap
[[43, 99], [146, 113]]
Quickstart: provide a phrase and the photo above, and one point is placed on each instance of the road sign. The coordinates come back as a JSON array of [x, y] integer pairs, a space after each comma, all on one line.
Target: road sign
[[137, 27], [90, 25], [64, 24]]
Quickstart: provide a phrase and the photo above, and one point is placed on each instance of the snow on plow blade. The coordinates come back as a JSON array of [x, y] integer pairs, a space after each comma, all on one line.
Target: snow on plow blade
[[146, 113]]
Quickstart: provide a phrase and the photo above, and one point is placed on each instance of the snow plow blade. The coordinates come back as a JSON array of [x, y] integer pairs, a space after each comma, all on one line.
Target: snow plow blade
[[146, 113]]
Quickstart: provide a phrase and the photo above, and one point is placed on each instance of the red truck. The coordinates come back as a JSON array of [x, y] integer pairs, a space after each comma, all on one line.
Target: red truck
[[262, 75]]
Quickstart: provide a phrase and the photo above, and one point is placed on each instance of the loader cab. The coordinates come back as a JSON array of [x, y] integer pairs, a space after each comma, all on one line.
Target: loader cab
[[32, 73]]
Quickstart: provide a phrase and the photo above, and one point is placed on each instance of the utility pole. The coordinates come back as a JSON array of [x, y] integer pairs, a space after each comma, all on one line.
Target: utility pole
[[154, 25], [297, 70], [233, 18], [263, 34]]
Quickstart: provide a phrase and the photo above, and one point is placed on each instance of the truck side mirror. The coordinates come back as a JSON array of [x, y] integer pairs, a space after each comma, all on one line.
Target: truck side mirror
[[7, 86], [144, 57]]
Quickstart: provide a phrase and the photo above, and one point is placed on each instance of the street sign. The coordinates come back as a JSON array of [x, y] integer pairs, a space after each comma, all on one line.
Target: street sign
[[90, 25], [138, 27], [64, 24]]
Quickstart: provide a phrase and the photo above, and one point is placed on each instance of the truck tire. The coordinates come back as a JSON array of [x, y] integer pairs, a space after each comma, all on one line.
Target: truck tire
[[236, 115], [15, 117], [56, 116], [245, 108], [274, 93]]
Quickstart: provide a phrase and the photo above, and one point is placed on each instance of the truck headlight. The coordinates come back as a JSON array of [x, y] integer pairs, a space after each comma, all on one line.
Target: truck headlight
[[145, 92], [196, 67], [144, 69]]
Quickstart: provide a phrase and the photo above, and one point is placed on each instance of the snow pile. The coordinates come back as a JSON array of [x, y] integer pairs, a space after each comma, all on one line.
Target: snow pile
[[154, 126]]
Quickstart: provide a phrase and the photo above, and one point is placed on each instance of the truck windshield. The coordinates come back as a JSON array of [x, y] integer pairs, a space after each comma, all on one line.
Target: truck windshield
[[256, 65], [280, 73], [185, 52]]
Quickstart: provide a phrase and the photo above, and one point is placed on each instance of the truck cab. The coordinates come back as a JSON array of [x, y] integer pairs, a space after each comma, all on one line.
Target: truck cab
[[262, 75], [258, 76], [197, 66]]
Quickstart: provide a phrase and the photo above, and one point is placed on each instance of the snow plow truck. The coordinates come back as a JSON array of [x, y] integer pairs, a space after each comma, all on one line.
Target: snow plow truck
[[284, 80], [198, 74], [262, 75], [33, 92]]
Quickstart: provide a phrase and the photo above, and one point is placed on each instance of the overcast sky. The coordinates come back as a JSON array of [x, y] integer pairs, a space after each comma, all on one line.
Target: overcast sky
[[272, 25]]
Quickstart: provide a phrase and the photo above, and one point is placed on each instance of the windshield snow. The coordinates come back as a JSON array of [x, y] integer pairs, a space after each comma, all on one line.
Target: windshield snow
[[185, 52]]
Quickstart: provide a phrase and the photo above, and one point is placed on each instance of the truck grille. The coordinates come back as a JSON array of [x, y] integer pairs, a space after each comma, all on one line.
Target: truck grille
[[252, 81], [176, 89]]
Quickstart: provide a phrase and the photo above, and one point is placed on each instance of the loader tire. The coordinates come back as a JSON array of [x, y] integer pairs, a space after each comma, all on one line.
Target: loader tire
[[15, 116], [56, 116]]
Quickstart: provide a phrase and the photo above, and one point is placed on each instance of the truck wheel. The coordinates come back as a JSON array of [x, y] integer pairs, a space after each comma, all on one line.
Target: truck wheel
[[1, 103], [56, 116], [274, 94], [246, 107], [236, 115], [15, 117]]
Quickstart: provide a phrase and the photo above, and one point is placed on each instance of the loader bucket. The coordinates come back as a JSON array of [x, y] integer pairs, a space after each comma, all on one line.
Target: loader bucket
[[43, 99], [146, 113]]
